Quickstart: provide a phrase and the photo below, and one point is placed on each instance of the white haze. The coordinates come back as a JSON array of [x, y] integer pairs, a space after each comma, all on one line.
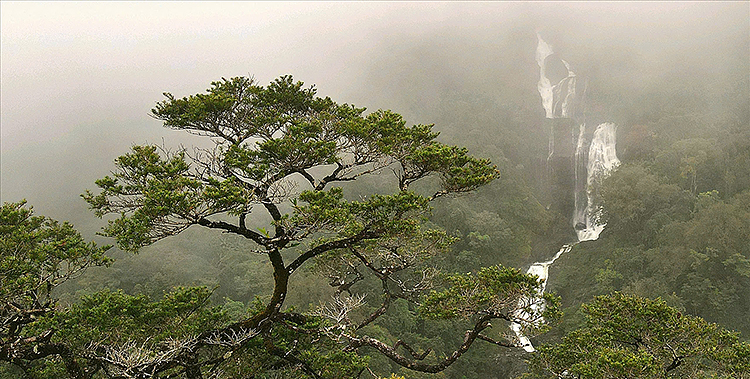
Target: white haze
[[79, 78]]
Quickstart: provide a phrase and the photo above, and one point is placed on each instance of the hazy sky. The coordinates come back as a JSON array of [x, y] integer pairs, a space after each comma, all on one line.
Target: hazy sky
[[79, 78]]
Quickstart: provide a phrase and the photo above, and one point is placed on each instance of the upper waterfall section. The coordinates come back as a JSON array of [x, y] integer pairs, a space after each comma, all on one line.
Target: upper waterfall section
[[559, 99]]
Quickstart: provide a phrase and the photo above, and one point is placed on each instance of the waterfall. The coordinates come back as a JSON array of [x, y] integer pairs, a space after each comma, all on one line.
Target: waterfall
[[602, 158], [580, 192], [540, 269], [593, 161], [558, 99]]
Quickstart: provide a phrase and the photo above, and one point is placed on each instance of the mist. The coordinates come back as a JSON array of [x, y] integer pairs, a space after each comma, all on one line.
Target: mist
[[79, 78]]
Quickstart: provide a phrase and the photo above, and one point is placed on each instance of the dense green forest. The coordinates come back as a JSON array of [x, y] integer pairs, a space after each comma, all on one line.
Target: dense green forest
[[677, 216], [221, 269]]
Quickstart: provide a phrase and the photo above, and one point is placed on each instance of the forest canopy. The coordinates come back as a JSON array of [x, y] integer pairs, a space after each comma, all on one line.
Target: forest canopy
[[198, 250]]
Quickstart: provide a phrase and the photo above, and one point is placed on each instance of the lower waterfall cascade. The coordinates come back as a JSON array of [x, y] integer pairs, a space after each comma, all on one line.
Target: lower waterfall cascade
[[602, 159]]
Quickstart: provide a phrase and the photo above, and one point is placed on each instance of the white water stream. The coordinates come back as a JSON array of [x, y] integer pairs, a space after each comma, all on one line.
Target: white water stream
[[602, 159], [540, 269], [558, 101]]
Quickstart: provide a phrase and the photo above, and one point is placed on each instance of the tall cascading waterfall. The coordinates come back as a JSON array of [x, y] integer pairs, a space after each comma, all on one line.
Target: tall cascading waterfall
[[585, 167]]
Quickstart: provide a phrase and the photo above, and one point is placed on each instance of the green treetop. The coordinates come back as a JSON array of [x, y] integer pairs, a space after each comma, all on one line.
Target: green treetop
[[627, 336]]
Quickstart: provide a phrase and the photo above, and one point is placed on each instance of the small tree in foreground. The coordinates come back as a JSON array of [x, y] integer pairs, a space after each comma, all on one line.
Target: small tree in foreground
[[37, 254], [627, 336], [279, 153]]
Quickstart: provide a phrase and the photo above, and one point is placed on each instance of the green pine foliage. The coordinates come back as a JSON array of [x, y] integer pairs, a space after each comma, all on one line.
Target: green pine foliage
[[626, 336]]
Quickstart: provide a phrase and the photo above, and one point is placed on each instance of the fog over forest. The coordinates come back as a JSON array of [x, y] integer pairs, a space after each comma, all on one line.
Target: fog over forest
[[79, 78], [604, 190]]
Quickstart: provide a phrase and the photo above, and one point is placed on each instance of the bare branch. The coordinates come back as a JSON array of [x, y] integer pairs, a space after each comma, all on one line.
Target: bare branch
[[469, 337], [498, 343], [411, 351], [247, 233], [336, 244]]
